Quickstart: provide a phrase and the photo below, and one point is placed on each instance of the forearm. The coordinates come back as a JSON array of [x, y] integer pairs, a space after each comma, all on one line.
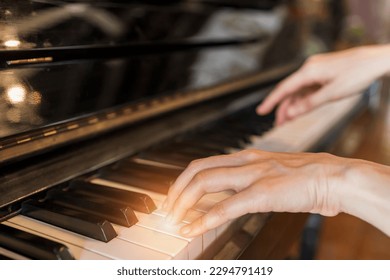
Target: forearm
[[386, 49], [366, 194], [378, 59]]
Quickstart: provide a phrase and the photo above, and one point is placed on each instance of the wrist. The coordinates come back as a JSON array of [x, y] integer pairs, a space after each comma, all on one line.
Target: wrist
[[380, 57], [366, 193]]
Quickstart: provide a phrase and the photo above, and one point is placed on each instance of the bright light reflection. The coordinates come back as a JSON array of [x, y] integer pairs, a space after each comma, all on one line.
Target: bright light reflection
[[16, 94], [12, 43]]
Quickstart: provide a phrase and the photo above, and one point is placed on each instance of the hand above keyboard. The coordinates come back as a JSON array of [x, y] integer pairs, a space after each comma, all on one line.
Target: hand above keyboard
[[325, 78]]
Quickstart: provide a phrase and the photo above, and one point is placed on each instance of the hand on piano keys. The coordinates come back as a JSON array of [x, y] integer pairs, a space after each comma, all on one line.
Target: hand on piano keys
[[149, 175], [282, 182], [263, 182]]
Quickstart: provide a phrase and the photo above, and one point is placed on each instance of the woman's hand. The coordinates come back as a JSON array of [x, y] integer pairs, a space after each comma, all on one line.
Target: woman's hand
[[262, 182], [327, 77]]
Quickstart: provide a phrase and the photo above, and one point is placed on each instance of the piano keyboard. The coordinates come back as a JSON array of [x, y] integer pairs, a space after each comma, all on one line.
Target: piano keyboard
[[115, 213]]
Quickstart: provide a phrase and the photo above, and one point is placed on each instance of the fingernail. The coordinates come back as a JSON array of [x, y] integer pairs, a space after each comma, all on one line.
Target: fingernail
[[185, 230]]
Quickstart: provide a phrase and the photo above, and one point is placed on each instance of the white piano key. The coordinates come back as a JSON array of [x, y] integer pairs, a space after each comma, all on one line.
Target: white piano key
[[78, 252], [158, 223], [223, 228], [208, 238], [191, 215], [12, 255], [200, 208], [115, 249], [167, 244], [302, 133]]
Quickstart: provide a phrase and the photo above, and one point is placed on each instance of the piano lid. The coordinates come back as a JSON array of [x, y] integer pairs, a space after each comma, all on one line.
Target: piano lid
[[66, 61]]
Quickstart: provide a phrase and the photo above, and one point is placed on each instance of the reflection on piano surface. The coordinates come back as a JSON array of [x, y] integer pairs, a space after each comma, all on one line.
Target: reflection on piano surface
[[104, 103]]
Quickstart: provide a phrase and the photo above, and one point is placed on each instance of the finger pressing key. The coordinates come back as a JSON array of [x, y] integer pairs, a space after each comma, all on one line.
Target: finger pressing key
[[226, 210]]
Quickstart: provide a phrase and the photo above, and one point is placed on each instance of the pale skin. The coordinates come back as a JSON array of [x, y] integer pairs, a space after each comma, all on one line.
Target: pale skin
[[295, 182]]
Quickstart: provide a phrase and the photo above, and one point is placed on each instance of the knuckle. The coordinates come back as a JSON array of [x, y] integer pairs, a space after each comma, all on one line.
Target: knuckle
[[250, 154], [309, 68], [201, 178], [195, 164], [311, 64], [314, 59]]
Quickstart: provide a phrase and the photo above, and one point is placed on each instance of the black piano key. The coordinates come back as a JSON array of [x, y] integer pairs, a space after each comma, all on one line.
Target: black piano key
[[246, 128], [113, 212], [70, 219], [133, 170], [223, 142], [185, 155], [137, 201], [32, 246], [187, 151], [230, 133], [180, 161], [143, 182], [130, 164], [257, 125], [200, 148], [208, 145]]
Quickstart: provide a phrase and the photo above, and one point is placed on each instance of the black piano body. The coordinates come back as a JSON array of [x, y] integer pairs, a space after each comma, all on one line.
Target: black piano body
[[89, 86]]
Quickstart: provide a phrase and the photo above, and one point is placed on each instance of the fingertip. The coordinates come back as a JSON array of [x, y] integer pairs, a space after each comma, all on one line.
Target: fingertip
[[261, 110], [169, 218], [176, 216], [186, 230]]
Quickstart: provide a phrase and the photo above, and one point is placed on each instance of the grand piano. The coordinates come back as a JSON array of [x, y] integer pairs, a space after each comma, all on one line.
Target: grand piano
[[104, 103]]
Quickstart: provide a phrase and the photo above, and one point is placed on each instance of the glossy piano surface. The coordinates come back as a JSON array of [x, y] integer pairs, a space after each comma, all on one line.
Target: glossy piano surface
[[145, 51]]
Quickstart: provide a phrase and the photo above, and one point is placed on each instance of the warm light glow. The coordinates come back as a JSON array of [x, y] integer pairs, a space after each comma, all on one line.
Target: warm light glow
[[35, 98], [16, 94], [12, 43]]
